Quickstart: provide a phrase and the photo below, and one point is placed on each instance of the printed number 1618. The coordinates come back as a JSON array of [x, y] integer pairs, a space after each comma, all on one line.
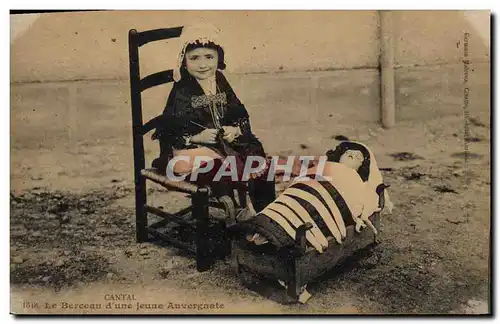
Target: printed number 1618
[[27, 304]]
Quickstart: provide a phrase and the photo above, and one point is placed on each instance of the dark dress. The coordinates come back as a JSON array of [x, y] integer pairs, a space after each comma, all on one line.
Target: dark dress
[[188, 107]]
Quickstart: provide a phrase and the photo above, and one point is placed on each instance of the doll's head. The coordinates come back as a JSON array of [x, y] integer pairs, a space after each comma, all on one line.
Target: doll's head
[[359, 157], [352, 158], [202, 60], [353, 155]]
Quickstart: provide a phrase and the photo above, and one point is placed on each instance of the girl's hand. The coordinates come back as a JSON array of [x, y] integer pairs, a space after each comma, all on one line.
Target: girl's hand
[[231, 133], [207, 136]]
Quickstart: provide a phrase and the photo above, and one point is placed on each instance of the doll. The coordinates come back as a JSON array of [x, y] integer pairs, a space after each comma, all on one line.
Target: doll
[[348, 191]]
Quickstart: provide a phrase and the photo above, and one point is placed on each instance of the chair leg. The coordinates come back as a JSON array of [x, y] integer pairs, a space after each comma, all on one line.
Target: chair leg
[[262, 193], [200, 211], [242, 198], [141, 215]]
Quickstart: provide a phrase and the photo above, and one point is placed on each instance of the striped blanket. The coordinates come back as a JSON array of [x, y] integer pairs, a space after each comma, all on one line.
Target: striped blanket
[[340, 199]]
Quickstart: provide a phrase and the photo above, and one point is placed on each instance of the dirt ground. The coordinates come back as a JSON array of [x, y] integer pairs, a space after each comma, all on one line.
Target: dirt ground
[[78, 244]]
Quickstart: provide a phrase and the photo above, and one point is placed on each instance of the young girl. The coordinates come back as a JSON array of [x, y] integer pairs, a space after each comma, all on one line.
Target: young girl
[[204, 117]]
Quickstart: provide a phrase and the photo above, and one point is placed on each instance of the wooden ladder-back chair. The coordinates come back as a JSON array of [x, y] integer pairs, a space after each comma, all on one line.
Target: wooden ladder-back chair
[[200, 196]]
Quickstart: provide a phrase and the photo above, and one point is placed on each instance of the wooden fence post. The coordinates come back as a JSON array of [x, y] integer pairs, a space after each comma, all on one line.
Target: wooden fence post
[[387, 91]]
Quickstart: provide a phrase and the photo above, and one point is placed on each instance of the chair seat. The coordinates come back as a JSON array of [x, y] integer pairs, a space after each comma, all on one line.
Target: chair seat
[[156, 176]]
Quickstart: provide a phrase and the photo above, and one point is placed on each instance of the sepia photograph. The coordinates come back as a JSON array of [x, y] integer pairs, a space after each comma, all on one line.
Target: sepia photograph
[[250, 162]]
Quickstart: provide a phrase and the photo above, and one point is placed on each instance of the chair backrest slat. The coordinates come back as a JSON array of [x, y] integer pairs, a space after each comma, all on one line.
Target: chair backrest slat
[[151, 124], [157, 34], [138, 85], [157, 79]]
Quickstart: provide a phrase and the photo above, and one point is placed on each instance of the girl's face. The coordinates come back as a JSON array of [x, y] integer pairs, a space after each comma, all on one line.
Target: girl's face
[[202, 62]]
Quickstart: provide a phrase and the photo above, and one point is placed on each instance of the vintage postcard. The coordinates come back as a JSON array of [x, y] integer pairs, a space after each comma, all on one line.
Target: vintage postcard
[[250, 162]]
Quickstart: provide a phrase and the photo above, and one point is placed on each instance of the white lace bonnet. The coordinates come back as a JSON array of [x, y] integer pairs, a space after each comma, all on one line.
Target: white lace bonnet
[[202, 33]]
